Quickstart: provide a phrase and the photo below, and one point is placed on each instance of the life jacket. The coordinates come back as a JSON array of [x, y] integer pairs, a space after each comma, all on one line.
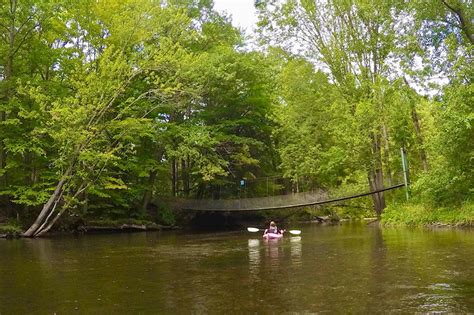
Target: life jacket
[[272, 230]]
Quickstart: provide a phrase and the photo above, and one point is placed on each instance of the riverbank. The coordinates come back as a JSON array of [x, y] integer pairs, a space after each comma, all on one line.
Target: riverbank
[[425, 215], [401, 214], [97, 226]]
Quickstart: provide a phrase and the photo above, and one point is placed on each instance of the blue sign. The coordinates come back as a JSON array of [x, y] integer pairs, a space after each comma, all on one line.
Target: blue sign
[[242, 182]]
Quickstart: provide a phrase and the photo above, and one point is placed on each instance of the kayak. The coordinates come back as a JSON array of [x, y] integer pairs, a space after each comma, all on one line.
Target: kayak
[[272, 236]]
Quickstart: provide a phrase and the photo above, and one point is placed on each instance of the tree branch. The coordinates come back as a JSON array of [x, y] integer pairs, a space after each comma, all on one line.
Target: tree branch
[[449, 6], [464, 24], [22, 41]]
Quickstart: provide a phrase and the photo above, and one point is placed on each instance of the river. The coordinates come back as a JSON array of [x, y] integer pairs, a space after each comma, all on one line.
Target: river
[[349, 268]]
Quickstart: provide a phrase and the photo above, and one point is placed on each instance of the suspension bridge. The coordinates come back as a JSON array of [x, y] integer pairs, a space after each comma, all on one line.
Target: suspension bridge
[[288, 201], [293, 200]]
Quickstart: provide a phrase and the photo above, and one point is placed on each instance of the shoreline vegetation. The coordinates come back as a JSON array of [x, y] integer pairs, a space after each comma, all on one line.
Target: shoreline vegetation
[[414, 214], [395, 215]]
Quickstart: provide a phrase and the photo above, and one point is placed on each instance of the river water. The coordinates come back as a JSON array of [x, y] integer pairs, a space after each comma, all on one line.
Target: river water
[[350, 268]]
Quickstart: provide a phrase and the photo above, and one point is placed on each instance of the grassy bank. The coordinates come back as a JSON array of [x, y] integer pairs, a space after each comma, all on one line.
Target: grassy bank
[[426, 215]]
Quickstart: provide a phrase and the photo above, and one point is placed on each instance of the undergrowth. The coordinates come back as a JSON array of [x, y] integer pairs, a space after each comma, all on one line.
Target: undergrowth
[[421, 214]]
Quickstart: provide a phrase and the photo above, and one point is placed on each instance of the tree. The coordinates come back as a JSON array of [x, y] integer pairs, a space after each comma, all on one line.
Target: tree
[[26, 53], [311, 147], [352, 42], [103, 116], [444, 35], [130, 96]]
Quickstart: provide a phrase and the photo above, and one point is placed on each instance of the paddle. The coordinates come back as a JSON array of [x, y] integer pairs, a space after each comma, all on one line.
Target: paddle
[[294, 232]]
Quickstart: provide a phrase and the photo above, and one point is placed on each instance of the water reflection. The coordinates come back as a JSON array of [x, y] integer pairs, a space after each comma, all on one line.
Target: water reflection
[[254, 255], [295, 242], [273, 252]]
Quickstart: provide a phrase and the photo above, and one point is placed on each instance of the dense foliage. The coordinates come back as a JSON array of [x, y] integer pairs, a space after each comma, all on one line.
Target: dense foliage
[[109, 106], [387, 75]]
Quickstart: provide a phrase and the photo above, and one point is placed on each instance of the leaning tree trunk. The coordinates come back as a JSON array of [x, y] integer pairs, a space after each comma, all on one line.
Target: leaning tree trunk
[[49, 206], [48, 224]]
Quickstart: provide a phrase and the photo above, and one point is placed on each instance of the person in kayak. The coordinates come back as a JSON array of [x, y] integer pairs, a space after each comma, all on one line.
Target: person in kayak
[[273, 229]]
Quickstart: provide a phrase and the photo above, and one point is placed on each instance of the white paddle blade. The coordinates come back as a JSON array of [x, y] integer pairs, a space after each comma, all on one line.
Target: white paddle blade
[[295, 232], [252, 229]]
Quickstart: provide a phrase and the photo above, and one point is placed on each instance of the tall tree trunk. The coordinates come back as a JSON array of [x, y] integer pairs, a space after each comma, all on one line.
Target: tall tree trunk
[[419, 138], [3, 155], [149, 189], [174, 178], [151, 181], [27, 169], [386, 155], [200, 191], [375, 176], [376, 183], [185, 176], [418, 133], [85, 198]]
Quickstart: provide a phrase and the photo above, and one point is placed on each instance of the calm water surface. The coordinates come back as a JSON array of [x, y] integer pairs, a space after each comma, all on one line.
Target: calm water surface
[[336, 269]]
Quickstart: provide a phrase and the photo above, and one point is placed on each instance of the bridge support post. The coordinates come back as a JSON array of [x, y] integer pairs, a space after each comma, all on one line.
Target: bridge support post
[[405, 171]]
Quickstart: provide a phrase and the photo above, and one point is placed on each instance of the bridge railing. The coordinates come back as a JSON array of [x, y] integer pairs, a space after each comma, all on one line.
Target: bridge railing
[[252, 204]]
